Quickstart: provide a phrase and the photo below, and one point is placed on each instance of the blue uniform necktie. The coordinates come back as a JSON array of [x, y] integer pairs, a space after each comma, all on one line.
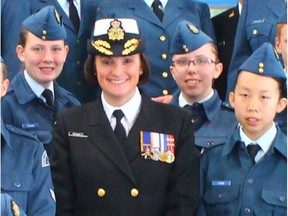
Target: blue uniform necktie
[[73, 15], [157, 10], [198, 114], [252, 151], [119, 129], [47, 94]]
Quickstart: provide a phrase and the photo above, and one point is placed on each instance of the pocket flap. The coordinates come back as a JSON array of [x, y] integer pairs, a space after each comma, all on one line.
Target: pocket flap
[[44, 136], [274, 197], [16, 181], [259, 29], [206, 142], [221, 194]]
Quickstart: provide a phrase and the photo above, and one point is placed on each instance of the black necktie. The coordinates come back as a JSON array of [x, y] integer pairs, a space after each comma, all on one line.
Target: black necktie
[[47, 94], [157, 10], [252, 151], [119, 129], [198, 114], [73, 15]]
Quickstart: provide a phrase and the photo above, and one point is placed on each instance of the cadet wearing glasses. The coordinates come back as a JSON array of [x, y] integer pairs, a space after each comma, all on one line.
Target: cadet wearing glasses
[[194, 67]]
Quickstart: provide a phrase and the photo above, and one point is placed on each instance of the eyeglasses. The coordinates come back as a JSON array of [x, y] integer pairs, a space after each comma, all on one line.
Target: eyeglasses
[[199, 62]]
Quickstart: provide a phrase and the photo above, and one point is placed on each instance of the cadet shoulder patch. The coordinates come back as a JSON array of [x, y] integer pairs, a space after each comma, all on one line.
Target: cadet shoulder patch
[[45, 159]]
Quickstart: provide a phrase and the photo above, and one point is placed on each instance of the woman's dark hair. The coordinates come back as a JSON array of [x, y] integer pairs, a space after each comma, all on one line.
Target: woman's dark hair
[[91, 73], [23, 36]]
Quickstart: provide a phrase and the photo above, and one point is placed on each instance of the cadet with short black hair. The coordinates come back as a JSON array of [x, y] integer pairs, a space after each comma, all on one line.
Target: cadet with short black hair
[[248, 174]]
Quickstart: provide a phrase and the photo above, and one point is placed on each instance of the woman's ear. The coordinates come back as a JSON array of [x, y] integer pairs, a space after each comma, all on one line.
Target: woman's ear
[[218, 70], [20, 53], [172, 72]]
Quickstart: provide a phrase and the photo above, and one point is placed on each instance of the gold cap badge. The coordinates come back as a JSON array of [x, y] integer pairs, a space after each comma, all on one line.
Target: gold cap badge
[[116, 31]]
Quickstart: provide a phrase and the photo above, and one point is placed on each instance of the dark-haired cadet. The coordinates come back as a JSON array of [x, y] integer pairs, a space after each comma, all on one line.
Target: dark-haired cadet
[[34, 98], [248, 174], [123, 154], [195, 65], [257, 25]]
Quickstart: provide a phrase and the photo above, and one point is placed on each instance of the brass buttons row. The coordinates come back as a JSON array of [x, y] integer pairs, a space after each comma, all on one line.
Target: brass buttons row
[[101, 192], [165, 74]]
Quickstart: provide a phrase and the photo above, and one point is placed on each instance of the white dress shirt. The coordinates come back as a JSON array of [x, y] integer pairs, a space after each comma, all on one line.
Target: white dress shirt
[[65, 6], [131, 110]]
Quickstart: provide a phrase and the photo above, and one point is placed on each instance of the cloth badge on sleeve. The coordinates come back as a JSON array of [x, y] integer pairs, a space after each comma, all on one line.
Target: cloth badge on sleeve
[[45, 159], [157, 146]]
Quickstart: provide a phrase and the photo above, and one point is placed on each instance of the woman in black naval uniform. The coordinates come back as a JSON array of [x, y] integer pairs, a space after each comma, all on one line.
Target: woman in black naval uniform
[[153, 169]]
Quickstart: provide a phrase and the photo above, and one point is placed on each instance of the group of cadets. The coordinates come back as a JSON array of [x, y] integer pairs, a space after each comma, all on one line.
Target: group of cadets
[[54, 65]]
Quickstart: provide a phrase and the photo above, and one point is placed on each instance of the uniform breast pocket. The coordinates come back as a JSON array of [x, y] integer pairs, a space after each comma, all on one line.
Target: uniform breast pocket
[[257, 34], [17, 184], [274, 202], [44, 136], [221, 200]]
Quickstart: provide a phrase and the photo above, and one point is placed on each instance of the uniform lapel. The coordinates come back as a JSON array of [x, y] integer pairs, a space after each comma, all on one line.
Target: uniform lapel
[[86, 6], [66, 21], [142, 10], [101, 134], [275, 7], [173, 10]]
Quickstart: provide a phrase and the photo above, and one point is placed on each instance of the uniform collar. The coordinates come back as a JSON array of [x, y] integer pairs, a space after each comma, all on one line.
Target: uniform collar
[[65, 6], [211, 104], [150, 2], [183, 102], [236, 142], [131, 109], [24, 93], [265, 141], [36, 87]]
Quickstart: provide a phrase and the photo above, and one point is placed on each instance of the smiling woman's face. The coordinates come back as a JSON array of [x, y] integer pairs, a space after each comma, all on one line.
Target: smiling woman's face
[[118, 76]]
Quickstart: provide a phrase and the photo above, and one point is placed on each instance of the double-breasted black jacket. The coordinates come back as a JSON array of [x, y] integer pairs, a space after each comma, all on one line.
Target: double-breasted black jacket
[[94, 175]]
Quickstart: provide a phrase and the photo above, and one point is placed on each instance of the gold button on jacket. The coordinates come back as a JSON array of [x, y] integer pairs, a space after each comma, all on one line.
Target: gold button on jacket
[[134, 192]]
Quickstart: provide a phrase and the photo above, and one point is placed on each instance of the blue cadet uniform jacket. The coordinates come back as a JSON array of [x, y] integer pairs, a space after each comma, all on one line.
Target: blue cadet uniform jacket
[[23, 109], [25, 172], [232, 185], [9, 207], [257, 25], [72, 76], [217, 124], [158, 35], [13, 13]]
